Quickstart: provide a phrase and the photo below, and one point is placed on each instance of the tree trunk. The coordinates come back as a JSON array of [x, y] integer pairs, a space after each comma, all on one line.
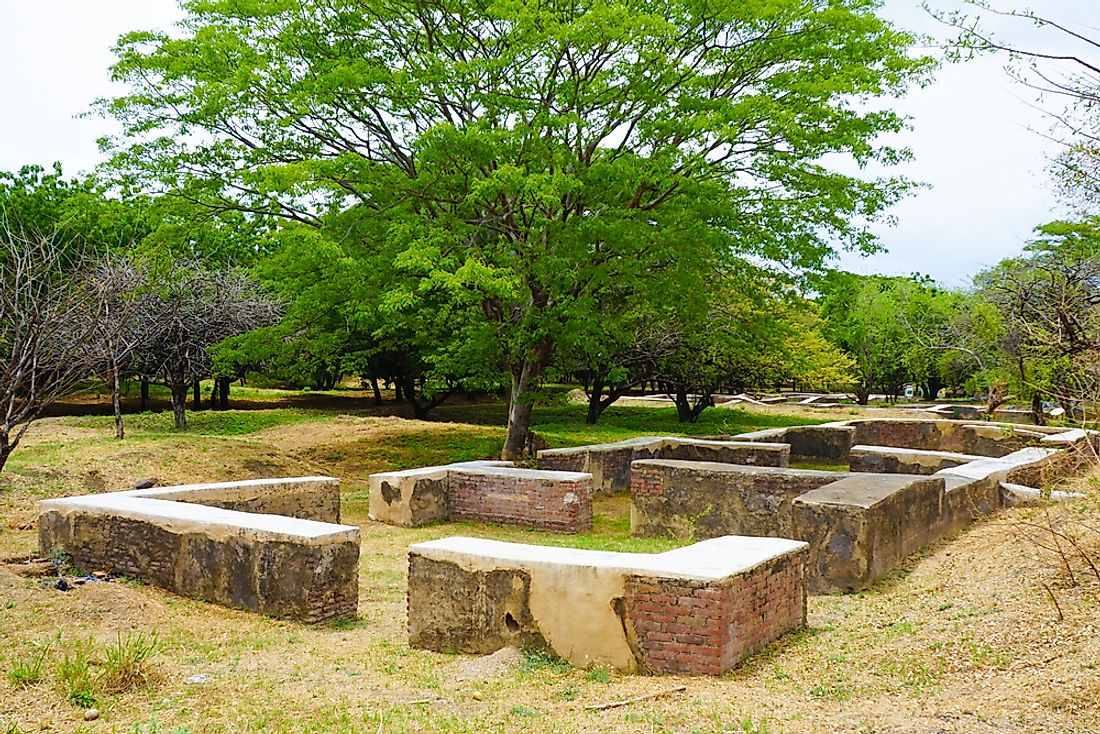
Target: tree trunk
[[520, 400], [863, 395], [1037, 408], [196, 395], [116, 401], [144, 393], [595, 395], [683, 406], [179, 404], [933, 387], [377, 392], [223, 385], [5, 450]]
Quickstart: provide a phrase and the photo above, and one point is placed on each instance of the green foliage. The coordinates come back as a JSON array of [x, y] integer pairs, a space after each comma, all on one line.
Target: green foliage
[[535, 659], [475, 199], [1046, 304]]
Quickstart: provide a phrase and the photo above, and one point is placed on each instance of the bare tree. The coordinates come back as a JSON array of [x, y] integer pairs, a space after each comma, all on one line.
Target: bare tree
[[191, 311], [125, 319], [48, 320], [1065, 71]]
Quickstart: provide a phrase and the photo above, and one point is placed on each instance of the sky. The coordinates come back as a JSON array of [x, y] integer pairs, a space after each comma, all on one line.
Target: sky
[[976, 135]]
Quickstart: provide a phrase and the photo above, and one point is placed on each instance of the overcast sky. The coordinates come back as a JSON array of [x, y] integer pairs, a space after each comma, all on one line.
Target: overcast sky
[[973, 130]]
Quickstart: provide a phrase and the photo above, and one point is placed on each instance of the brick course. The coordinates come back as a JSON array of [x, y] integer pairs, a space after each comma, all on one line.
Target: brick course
[[699, 628], [524, 501]]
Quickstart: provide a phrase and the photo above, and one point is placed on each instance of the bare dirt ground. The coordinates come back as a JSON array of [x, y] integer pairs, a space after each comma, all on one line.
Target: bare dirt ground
[[985, 633]]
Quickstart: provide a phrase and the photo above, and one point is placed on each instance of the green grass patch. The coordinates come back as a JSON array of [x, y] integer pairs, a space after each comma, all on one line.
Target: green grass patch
[[204, 422]]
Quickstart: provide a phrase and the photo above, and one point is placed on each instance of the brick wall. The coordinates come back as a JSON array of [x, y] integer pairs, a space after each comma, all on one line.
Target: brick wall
[[573, 461], [698, 628], [534, 502], [646, 480]]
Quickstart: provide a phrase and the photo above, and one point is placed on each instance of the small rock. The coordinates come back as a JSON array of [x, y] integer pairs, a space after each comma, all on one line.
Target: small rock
[[78, 581], [147, 483], [91, 714], [45, 725], [99, 575], [476, 695], [197, 679]]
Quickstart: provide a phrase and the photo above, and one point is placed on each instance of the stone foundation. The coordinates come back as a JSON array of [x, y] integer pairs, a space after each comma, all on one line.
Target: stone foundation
[[697, 500], [886, 460], [287, 567], [862, 527], [698, 610], [609, 464]]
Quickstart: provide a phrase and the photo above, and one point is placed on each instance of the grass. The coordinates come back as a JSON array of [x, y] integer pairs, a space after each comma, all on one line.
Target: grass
[[966, 635], [203, 422], [28, 671], [75, 674], [127, 663]]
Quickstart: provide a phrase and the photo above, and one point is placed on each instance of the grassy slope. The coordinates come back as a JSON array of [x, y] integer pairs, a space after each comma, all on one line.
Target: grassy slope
[[964, 639]]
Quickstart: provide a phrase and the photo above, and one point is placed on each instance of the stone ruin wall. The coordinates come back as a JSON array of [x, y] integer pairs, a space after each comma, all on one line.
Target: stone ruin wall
[[287, 567]]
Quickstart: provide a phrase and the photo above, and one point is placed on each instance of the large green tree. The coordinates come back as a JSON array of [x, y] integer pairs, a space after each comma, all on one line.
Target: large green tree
[[520, 157]]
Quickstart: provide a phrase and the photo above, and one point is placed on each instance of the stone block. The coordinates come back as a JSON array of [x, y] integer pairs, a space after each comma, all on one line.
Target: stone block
[[609, 464], [888, 460], [821, 442], [864, 526], [482, 491]]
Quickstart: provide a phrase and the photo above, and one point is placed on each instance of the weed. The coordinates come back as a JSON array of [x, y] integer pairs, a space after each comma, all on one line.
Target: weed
[[539, 659], [25, 673], [10, 727], [75, 673], [525, 712], [126, 663], [598, 675], [750, 725], [569, 693]]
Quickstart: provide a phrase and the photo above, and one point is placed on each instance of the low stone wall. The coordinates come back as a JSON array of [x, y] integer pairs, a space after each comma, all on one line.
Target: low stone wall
[[282, 566], [483, 491], [833, 441], [887, 460], [862, 527], [609, 464], [696, 500], [697, 610], [829, 441]]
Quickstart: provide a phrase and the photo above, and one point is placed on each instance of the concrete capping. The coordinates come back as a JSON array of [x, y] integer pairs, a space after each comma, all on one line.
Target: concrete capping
[[986, 468], [194, 518], [707, 560], [695, 610]]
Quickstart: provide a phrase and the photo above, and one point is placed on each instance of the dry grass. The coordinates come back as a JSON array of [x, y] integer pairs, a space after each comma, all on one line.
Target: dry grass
[[964, 639]]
